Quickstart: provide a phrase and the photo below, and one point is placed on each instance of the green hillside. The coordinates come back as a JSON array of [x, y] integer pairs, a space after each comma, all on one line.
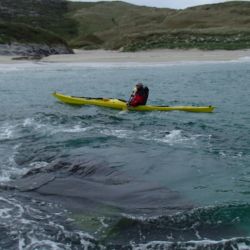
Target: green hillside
[[45, 14], [22, 33], [36, 22], [119, 25], [115, 25], [109, 24]]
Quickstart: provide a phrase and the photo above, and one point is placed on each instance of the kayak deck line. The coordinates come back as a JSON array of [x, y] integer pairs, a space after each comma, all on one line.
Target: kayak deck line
[[122, 105]]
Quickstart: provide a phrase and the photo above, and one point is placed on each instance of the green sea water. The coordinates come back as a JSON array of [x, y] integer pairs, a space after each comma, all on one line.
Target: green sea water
[[204, 157]]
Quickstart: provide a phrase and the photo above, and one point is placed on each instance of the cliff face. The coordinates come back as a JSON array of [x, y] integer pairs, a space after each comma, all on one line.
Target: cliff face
[[33, 49]]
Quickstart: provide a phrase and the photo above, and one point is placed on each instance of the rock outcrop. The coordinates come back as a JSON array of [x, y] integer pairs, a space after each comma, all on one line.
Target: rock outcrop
[[33, 49]]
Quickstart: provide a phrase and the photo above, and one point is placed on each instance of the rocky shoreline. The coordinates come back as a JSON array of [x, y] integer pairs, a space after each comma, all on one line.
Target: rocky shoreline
[[33, 49]]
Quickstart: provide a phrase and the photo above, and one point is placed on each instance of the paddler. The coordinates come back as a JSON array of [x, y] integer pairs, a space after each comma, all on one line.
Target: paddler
[[139, 95]]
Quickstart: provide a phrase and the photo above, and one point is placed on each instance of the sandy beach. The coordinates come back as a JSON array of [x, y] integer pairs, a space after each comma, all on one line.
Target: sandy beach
[[151, 56]]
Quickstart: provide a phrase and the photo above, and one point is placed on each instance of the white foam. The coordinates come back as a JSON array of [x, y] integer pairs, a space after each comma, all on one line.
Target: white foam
[[190, 245], [234, 155], [47, 128], [176, 137], [21, 243], [238, 155], [38, 164], [7, 131], [74, 129], [102, 220], [222, 154], [14, 216], [31, 122], [242, 246], [4, 177], [8, 212], [123, 112], [28, 122], [5, 213], [10, 169], [171, 138], [42, 244], [119, 133]]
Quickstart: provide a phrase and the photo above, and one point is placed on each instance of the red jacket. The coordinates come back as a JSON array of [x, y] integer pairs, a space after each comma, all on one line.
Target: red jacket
[[137, 100]]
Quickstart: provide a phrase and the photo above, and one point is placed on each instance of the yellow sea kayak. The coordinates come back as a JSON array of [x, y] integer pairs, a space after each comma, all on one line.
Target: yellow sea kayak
[[121, 104]]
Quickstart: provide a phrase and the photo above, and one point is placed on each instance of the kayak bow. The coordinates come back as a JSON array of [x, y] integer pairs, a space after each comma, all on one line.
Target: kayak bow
[[121, 104]]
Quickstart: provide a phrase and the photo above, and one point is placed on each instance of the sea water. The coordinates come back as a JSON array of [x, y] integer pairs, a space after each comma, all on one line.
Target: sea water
[[204, 157]]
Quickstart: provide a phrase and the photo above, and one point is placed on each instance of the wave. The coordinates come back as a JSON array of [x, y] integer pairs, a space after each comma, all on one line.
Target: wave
[[176, 136], [38, 225], [51, 129], [230, 154], [7, 131], [119, 133], [213, 227], [171, 138], [234, 243], [47, 125], [9, 168]]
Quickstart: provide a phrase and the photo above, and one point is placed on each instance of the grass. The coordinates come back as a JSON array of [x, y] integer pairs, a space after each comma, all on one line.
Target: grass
[[119, 25], [45, 14], [22, 33], [206, 40]]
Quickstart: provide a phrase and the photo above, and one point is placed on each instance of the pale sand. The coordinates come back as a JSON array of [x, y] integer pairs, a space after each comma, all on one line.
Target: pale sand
[[151, 56]]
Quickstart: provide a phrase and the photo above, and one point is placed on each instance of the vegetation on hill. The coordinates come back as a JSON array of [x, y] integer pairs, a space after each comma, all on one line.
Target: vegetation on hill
[[45, 14], [30, 22], [119, 25], [22, 33], [111, 24]]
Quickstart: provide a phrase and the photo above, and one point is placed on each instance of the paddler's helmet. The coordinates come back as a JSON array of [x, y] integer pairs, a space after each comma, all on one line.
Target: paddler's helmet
[[139, 86]]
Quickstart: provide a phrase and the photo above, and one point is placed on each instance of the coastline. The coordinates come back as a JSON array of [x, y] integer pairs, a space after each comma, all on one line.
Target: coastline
[[149, 56]]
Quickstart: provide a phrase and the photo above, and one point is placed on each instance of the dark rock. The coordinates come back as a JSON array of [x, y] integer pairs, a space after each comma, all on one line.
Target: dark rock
[[36, 57], [33, 49]]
